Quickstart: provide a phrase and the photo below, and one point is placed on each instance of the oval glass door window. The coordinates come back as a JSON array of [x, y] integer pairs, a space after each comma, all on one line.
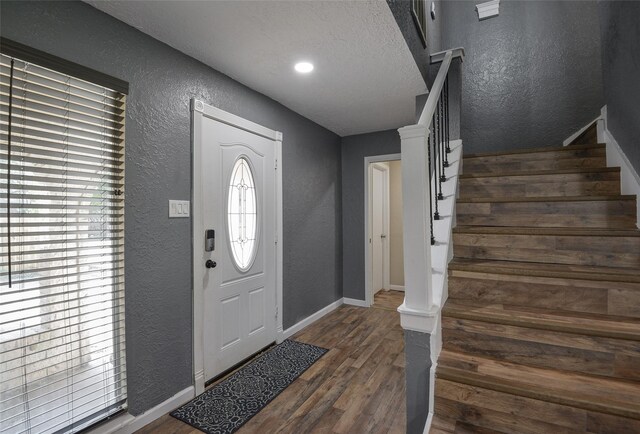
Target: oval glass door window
[[242, 214]]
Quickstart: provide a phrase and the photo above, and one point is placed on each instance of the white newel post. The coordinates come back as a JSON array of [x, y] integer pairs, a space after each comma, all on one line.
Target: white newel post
[[418, 312]]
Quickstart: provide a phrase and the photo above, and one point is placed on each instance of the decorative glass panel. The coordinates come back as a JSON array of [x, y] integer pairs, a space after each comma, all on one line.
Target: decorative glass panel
[[242, 214]]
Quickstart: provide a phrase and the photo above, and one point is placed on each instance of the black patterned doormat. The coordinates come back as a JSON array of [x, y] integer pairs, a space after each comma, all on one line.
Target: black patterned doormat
[[231, 403]]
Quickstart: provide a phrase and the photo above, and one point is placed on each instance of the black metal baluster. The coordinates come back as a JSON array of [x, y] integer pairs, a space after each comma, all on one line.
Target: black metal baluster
[[442, 144], [433, 135], [439, 146], [431, 215], [446, 99]]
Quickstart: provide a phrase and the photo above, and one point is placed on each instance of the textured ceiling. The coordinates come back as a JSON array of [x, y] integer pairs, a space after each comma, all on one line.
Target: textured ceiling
[[365, 78]]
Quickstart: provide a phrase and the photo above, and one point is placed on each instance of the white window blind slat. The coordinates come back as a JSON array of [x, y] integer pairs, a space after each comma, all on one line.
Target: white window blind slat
[[72, 358], [38, 166], [59, 89], [48, 131], [79, 154], [87, 402], [70, 128], [71, 106], [46, 182], [28, 83], [56, 86], [75, 357], [57, 347], [116, 270], [62, 335], [85, 86], [32, 290], [60, 327], [59, 110], [56, 115]]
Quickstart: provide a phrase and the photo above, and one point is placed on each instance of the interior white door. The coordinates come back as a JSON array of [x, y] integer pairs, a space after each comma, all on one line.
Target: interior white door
[[378, 225], [239, 204]]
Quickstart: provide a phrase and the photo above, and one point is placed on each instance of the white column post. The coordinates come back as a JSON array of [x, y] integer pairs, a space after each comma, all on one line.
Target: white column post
[[418, 312]]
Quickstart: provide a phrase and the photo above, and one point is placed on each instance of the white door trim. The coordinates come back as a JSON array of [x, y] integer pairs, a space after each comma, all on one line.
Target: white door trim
[[367, 226], [198, 110]]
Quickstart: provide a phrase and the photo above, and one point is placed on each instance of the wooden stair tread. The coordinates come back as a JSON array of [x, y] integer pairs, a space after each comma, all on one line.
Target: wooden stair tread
[[544, 319], [441, 425], [546, 231], [575, 170], [536, 150], [537, 335], [564, 271], [619, 197], [610, 396]]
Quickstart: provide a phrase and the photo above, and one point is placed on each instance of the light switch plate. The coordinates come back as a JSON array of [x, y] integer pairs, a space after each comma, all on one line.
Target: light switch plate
[[179, 208]]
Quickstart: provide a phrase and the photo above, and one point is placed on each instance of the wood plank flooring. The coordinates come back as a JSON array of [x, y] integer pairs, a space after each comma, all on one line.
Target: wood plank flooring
[[388, 299], [357, 387]]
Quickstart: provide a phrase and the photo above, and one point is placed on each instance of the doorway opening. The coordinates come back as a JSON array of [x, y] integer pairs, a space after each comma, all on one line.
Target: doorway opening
[[384, 262]]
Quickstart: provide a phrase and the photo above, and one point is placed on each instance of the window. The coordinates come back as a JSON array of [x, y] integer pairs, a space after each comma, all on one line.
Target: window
[[419, 12], [242, 214], [62, 343]]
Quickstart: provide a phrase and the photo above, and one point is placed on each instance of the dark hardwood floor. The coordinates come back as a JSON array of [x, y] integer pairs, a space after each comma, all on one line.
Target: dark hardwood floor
[[388, 299], [357, 387]]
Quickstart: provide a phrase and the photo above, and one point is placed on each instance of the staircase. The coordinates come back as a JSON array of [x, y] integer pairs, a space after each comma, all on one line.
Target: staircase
[[541, 330]]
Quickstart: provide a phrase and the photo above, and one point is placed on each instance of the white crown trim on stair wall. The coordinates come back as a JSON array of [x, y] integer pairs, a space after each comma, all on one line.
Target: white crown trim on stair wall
[[575, 135]]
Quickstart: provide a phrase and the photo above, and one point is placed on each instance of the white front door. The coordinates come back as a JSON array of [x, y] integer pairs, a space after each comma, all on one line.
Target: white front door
[[238, 194], [379, 176]]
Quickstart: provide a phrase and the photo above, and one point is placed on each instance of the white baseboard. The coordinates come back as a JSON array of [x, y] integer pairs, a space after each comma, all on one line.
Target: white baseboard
[[128, 424], [432, 384], [427, 425], [629, 179], [396, 287], [575, 135], [355, 302], [311, 319]]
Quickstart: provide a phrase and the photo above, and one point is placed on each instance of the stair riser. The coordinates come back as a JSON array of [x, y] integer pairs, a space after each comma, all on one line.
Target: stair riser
[[615, 358], [612, 214], [606, 251], [579, 184], [517, 414], [549, 154], [527, 166], [590, 158], [587, 296]]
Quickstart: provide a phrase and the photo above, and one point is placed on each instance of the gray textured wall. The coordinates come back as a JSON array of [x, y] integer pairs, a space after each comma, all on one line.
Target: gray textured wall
[[158, 250], [531, 76], [401, 10], [620, 29], [417, 351], [354, 149]]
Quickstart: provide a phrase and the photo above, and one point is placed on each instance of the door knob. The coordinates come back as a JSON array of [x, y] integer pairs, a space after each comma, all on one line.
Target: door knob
[[210, 264]]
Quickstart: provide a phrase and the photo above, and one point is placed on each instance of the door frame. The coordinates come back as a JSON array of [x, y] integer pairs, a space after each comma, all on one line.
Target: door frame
[[199, 110], [368, 275]]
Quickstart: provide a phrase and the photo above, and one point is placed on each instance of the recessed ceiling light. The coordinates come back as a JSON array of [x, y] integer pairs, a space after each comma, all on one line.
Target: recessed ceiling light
[[304, 67]]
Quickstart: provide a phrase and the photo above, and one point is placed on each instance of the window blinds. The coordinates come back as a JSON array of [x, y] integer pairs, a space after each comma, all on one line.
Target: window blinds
[[62, 344]]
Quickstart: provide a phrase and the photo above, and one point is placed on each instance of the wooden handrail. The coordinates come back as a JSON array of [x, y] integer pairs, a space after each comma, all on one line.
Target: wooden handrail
[[434, 95]]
